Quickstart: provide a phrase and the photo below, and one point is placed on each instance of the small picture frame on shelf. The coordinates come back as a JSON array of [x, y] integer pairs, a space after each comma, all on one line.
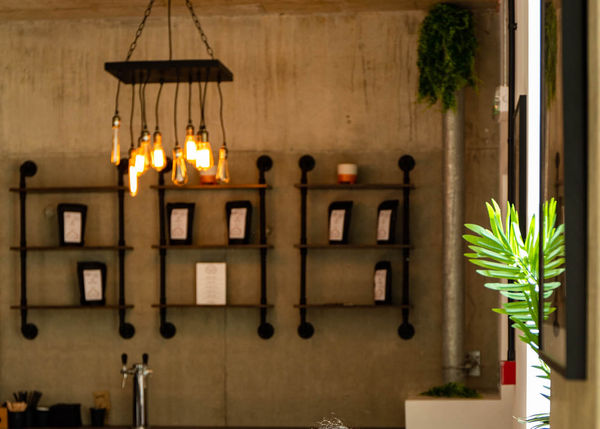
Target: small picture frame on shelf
[[387, 213], [180, 218], [238, 221], [92, 282], [71, 224], [382, 283], [339, 221], [211, 283]]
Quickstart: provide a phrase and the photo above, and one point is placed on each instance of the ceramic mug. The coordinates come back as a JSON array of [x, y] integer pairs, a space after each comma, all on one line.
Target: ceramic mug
[[346, 173], [209, 177]]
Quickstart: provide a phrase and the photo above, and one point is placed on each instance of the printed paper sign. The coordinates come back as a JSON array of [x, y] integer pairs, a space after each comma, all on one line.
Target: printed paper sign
[[92, 285], [72, 224], [380, 279], [336, 225], [211, 280], [237, 223], [179, 224], [383, 224]]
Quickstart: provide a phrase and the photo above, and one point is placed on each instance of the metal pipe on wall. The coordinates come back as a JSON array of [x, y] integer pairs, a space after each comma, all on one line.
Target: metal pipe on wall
[[453, 260]]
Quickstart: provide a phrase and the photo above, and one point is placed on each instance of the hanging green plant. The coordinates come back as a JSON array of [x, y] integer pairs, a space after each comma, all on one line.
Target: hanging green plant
[[550, 51], [446, 54]]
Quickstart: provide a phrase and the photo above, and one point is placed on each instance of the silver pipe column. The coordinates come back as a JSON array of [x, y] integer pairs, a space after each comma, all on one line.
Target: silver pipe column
[[453, 262]]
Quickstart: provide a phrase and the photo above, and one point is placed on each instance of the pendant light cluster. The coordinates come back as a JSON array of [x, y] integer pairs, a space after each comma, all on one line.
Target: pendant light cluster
[[149, 151]]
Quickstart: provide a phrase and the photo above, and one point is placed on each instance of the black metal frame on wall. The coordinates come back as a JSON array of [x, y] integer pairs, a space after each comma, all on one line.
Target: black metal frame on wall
[[167, 329], [307, 163], [575, 141], [29, 169]]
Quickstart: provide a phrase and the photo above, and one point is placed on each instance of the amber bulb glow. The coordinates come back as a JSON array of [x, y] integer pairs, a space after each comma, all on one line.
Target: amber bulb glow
[[223, 166], [133, 174], [204, 156], [139, 160], [115, 153], [146, 150], [159, 160], [190, 144], [179, 175]]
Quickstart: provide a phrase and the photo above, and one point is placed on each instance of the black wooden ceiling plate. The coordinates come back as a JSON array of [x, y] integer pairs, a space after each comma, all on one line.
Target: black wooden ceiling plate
[[169, 71]]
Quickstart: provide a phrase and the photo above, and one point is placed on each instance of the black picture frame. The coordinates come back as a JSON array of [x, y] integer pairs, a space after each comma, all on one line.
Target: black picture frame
[[240, 231], [389, 223], [90, 292], [386, 267], [337, 236], [180, 221], [571, 361], [73, 218]]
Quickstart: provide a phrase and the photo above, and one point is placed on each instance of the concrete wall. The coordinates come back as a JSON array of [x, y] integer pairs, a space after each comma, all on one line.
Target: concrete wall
[[341, 87]]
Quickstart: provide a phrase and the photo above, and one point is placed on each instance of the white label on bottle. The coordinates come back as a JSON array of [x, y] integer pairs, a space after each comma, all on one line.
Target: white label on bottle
[[92, 285], [383, 224], [237, 223], [380, 280], [336, 225], [72, 227], [211, 280], [179, 224]]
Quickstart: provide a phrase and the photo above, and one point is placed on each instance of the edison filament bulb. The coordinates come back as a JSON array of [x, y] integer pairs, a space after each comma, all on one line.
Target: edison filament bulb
[[115, 153], [223, 166], [190, 144], [179, 172], [146, 150], [204, 156], [159, 160], [133, 173]]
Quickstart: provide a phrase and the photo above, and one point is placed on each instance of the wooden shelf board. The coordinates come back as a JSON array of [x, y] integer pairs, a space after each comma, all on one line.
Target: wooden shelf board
[[71, 307], [68, 189], [352, 246], [53, 248], [212, 187], [212, 305], [349, 305], [213, 246], [355, 186]]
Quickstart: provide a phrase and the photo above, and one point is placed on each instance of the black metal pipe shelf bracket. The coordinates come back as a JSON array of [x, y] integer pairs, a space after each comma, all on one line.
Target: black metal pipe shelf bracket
[[29, 330], [307, 163], [406, 331], [126, 330], [167, 329]]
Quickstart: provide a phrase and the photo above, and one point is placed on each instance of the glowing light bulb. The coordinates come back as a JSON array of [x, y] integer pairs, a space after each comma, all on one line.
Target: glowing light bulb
[[223, 166], [115, 153], [145, 150], [204, 156], [133, 174], [159, 160], [179, 172], [190, 144], [139, 160]]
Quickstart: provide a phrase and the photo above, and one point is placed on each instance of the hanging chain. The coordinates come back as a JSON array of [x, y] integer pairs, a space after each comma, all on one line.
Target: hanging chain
[[132, 47], [210, 51], [138, 33]]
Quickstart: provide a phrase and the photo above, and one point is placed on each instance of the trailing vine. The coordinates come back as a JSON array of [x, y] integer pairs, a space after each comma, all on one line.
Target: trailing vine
[[446, 54]]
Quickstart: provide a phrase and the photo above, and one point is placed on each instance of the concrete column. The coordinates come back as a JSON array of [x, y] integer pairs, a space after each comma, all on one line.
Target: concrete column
[[453, 259]]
